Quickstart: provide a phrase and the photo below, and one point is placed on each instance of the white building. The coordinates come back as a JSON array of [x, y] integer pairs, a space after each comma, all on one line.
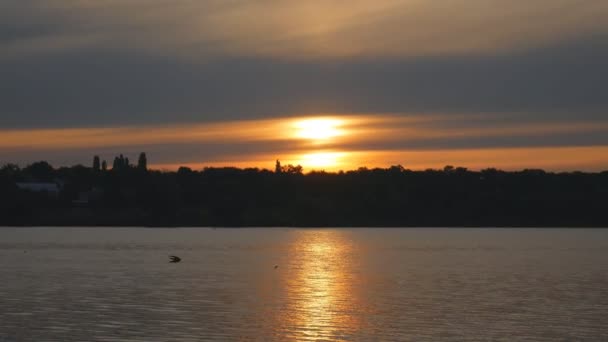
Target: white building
[[52, 189]]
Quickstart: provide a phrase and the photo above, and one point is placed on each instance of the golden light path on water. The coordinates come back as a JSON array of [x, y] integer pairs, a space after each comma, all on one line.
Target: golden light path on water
[[320, 288]]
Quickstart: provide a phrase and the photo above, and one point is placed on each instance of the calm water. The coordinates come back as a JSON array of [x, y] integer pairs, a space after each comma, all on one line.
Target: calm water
[[111, 284]]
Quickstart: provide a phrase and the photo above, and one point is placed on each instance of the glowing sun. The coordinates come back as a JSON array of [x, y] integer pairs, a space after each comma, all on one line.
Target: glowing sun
[[322, 159], [319, 129]]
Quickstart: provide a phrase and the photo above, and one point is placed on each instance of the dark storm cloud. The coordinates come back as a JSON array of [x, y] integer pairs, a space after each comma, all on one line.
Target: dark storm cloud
[[117, 62], [91, 87]]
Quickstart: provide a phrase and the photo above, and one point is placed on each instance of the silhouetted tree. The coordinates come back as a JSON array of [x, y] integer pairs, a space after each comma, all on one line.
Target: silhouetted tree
[[96, 164], [183, 170], [291, 169], [104, 165], [396, 169], [117, 164], [142, 163], [277, 167], [10, 169], [40, 171], [120, 163]]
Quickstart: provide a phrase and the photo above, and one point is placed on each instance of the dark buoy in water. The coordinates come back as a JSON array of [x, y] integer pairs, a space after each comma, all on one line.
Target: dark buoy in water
[[276, 266], [174, 259]]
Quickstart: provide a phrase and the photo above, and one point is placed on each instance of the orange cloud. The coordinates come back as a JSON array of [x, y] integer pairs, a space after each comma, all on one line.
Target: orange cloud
[[329, 142]]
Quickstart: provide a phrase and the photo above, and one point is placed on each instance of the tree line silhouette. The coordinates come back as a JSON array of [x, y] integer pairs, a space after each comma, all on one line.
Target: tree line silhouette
[[133, 195]]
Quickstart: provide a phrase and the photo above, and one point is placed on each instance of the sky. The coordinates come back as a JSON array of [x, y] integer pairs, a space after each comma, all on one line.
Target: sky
[[333, 84]]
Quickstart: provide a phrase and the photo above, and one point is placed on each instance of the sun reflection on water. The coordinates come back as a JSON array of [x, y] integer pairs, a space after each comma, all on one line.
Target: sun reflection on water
[[319, 290]]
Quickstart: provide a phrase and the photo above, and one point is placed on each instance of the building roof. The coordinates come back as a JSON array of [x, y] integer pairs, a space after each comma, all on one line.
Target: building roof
[[38, 186]]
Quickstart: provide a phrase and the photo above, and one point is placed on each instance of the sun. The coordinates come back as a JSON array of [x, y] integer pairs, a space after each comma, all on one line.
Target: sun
[[321, 160], [319, 132], [318, 129]]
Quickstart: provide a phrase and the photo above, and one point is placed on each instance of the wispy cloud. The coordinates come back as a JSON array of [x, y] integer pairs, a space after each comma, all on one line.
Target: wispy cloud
[[303, 29]]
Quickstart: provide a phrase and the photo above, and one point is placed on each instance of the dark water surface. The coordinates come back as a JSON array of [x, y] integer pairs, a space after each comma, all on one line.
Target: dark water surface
[[115, 284]]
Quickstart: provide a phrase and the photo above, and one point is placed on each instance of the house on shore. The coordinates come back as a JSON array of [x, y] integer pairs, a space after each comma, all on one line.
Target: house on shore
[[51, 189]]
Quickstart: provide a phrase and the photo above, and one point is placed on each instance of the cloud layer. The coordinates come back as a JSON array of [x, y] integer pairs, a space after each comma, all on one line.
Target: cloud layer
[[297, 29]]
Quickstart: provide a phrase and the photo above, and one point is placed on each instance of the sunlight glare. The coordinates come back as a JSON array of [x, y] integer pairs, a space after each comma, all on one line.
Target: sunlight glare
[[318, 129], [320, 290], [321, 160]]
